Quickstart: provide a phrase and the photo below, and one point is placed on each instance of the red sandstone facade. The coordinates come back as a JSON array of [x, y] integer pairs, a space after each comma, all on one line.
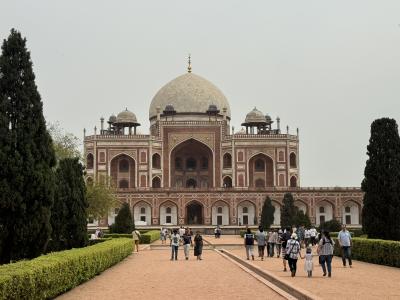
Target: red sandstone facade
[[192, 169]]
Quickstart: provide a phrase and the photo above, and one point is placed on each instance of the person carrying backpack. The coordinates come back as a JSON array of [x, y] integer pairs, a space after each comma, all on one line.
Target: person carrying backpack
[[325, 252], [174, 243], [249, 244], [284, 237]]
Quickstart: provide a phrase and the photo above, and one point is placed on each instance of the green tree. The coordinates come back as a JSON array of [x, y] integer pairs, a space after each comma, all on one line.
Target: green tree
[[331, 226], [66, 145], [123, 221], [288, 211], [381, 184], [267, 213], [101, 198], [69, 216], [26, 183], [302, 219]]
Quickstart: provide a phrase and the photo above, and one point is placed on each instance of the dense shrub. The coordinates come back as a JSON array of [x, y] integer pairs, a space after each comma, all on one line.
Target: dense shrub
[[50, 275], [331, 226], [381, 252], [150, 237], [123, 221]]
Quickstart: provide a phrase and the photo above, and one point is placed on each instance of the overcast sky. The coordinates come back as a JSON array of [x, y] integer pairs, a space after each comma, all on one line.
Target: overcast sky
[[327, 67]]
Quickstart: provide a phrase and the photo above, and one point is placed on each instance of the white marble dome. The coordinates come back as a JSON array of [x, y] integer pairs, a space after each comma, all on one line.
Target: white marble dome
[[189, 93]]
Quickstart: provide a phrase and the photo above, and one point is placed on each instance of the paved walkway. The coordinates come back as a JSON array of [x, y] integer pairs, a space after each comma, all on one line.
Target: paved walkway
[[151, 275], [363, 281]]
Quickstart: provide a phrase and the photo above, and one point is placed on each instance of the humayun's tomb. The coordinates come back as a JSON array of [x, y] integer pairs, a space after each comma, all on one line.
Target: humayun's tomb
[[194, 169]]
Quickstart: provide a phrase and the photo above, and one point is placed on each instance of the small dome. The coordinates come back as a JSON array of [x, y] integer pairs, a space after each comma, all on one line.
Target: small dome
[[268, 119], [212, 107], [126, 117], [169, 108], [255, 116], [112, 119]]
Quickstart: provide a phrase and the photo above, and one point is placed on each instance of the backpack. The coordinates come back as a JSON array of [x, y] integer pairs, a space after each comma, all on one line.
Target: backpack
[[249, 239]]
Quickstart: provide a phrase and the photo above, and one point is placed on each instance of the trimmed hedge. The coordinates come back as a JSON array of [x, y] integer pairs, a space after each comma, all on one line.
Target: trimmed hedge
[[374, 251], [50, 275], [118, 235], [150, 236]]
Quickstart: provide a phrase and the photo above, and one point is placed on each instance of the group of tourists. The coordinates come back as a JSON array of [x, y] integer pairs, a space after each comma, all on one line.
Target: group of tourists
[[184, 237], [289, 243]]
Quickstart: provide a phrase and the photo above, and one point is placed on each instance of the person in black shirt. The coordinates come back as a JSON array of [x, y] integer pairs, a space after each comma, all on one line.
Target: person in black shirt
[[187, 242]]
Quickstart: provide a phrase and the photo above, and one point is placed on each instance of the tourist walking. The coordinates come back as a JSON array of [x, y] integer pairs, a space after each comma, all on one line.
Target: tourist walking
[[284, 238], [269, 236], [135, 239], [300, 235], [293, 253], [308, 264], [261, 238], [174, 243], [307, 237], [187, 243], [313, 235], [249, 244], [181, 231], [198, 245], [325, 252], [163, 235], [278, 244], [345, 242], [272, 238]]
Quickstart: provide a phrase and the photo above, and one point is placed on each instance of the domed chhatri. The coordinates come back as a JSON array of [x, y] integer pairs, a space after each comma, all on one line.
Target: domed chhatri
[[255, 116], [189, 93], [126, 117], [112, 119]]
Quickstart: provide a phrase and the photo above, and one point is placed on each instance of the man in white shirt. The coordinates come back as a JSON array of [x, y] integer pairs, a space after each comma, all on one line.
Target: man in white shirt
[[174, 243], [307, 237], [181, 231], [344, 238], [313, 235]]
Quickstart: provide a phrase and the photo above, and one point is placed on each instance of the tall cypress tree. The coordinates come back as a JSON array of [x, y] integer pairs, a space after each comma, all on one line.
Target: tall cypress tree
[[267, 213], [27, 179], [69, 212], [288, 211], [123, 221], [381, 184]]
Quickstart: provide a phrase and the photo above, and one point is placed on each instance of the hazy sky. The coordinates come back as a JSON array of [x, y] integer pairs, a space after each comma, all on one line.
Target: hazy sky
[[327, 67]]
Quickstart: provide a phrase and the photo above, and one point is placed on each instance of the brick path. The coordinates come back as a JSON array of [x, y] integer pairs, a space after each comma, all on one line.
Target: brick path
[[364, 281], [151, 275]]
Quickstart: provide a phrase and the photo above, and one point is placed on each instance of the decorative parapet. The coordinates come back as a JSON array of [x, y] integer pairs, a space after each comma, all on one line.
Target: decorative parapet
[[117, 137]]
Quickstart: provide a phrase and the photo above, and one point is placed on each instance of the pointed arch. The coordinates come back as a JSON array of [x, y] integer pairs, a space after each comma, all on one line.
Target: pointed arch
[[261, 167], [123, 168], [196, 157]]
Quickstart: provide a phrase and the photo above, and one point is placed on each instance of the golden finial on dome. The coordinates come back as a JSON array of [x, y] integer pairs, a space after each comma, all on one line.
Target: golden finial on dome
[[189, 65]]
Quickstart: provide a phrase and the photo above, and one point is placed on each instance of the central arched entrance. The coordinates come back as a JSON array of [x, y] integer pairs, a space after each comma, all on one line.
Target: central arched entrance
[[194, 213], [191, 165]]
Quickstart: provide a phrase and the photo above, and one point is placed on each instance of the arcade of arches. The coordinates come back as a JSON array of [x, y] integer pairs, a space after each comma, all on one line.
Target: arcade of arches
[[245, 212]]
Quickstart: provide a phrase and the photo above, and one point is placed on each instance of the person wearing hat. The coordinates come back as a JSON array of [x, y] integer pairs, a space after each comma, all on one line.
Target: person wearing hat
[[292, 253]]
